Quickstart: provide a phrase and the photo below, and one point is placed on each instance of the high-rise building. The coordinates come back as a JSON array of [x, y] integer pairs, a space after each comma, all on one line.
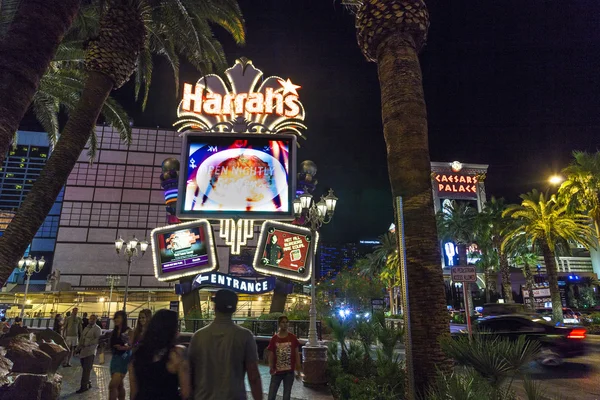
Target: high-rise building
[[333, 257], [19, 171]]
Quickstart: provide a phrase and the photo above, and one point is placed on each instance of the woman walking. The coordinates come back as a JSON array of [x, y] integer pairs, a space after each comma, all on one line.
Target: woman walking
[[121, 354], [140, 328], [159, 370]]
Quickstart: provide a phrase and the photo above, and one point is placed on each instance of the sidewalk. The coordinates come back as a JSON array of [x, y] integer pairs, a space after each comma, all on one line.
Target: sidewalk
[[101, 376]]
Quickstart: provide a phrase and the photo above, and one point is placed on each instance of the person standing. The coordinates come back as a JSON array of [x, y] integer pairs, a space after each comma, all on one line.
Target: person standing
[[140, 328], [4, 326], [84, 321], [58, 324], [121, 354], [159, 370], [222, 353], [72, 333], [284, 360], [87, 352]]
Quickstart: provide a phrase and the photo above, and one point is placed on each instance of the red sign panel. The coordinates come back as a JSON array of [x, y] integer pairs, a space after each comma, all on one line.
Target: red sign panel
[[283, 250], [456, 185]]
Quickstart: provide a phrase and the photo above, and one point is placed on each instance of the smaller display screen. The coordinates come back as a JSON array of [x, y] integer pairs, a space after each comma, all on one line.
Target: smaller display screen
[[182, 250], [284, 250]]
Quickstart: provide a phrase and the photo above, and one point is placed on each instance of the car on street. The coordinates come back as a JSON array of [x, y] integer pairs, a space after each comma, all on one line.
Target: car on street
[[557, 342]]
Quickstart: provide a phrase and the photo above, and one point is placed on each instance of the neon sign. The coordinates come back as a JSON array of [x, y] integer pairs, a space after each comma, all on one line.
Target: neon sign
[[246, 103], [240, 285], [453, 183]]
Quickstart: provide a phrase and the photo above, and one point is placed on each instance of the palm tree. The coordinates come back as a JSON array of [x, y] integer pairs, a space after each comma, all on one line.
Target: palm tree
[[128, 28], [492, 214], [31, 31], [457, 222], [521, 251], [547, 223], [386, 259], [581, 189], [392, 33]]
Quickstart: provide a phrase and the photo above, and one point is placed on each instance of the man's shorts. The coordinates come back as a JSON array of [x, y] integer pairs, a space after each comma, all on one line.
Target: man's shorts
[[72, 341]]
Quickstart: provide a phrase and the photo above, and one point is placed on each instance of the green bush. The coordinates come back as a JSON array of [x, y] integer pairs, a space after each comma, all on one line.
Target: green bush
[[595, 318]]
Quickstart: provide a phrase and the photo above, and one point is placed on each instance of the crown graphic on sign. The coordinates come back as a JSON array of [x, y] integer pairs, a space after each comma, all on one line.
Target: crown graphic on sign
[[247, 103]]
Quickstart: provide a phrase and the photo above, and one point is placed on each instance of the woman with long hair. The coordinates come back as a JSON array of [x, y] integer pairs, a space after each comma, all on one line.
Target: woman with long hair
[[140, 328], [121, 354], [159, 370]]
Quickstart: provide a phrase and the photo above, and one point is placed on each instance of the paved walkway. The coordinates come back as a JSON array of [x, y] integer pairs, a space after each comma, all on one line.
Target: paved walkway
[[101, 376]]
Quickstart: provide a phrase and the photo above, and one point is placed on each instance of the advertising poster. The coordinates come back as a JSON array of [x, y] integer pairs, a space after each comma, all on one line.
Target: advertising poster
[[182, 250], [285, 250], [246, 175]]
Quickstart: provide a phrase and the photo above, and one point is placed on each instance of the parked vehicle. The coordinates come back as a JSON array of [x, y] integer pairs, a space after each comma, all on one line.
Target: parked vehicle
[[557, 342]]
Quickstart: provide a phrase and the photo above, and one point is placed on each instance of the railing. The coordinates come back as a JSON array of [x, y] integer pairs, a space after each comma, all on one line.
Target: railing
[[258, 327], [570, 264]]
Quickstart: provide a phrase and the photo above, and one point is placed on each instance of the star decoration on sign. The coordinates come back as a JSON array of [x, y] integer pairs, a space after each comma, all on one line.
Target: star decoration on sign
[[289, 87]]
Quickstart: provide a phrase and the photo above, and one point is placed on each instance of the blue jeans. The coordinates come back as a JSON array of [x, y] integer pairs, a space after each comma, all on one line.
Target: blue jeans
[[288, 381]]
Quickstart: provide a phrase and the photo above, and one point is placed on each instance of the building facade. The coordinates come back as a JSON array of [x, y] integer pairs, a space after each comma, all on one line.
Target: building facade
[[21, 168]]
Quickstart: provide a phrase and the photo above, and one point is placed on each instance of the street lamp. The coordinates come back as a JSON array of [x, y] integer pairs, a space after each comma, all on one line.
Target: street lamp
[[314, 215], [130, 252], [555, 180], [29, 266], [112, 281]]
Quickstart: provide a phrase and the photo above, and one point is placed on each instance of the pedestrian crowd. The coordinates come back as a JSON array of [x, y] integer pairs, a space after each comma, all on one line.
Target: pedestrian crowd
[[213, 367]]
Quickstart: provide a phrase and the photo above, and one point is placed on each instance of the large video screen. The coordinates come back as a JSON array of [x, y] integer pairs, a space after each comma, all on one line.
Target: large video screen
[[284, 250], [249, 176], [182, 250]]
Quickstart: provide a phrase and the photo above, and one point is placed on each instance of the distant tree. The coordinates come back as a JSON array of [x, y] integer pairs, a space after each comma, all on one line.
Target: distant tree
[[581, 189], [547, 223]]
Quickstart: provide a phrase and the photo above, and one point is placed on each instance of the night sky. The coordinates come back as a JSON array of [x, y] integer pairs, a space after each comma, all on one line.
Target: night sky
[[511, 84]]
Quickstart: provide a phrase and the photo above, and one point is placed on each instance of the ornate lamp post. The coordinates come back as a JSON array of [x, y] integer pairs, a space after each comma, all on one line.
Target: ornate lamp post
[[130, 252], [314, 215], [29, 266]]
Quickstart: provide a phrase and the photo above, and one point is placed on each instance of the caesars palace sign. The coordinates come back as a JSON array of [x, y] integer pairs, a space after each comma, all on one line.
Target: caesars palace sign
[[455, 183]]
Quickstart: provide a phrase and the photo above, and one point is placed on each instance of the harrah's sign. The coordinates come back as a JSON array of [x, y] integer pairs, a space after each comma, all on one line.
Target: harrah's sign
[[244, 102], [456, 183], [282, 102]]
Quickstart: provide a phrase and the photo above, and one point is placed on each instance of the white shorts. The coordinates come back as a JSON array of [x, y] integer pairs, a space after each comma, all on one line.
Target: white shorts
[[72, 341]]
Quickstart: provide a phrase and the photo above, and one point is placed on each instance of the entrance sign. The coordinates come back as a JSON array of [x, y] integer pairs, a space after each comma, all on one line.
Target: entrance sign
[[245, 102], [240, 285], [464, 274], [285, 250], [182, 250], [227, 175]]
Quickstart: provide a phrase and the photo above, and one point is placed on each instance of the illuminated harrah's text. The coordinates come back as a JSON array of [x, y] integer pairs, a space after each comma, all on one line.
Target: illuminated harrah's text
[[271, 102]]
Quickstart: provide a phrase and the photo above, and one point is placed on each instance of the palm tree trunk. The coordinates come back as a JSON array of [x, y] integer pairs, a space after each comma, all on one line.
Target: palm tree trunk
[[279, 297], [486, 275], [39, 201], [392, 303], [550, 261], [506, 284], [25, 53], [529, 282], [405, 130], [462, 260]]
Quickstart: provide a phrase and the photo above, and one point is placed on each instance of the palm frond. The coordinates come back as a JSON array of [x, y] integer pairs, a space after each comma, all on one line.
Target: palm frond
[[46, 110]]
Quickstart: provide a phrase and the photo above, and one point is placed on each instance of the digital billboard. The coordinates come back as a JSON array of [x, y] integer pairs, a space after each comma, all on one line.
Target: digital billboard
[[182, 250], [250, 176], [285, 250]]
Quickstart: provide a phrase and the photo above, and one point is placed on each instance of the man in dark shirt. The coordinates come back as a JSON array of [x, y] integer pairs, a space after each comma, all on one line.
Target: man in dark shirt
[[222, 353]]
